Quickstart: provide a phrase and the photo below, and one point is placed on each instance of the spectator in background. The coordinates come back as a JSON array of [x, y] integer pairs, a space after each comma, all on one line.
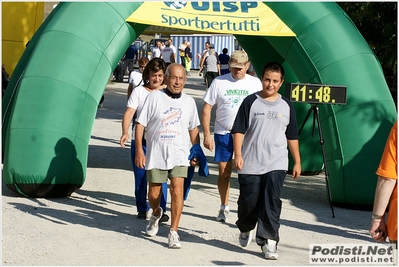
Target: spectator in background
[[203, 60], [224, 62], [188, 58], [169, 53], [182, 52], [212, 67], [156, 51], [136, 77], [130, 56]]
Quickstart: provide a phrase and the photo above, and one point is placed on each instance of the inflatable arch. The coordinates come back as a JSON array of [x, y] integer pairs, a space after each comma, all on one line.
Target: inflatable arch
[[49, 111]]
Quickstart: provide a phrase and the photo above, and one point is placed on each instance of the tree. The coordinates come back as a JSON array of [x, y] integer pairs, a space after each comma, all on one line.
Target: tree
[[377, 22]]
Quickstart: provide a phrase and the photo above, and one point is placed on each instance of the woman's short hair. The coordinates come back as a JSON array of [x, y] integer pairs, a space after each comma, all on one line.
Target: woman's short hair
[[156, 64]]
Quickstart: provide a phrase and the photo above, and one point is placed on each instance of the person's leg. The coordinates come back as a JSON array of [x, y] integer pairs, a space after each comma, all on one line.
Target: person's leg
[[123, 70], [211, 77], [270, 207], [130, 67], [177, 177], [223, 156], [183, 61], [154, 197], [155, 178], [164, 196], [140, 181], [247, 212], [225, 170], [177, 202]]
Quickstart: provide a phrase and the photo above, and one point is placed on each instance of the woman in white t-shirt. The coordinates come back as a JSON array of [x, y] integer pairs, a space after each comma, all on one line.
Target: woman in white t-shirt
[[153, 78]]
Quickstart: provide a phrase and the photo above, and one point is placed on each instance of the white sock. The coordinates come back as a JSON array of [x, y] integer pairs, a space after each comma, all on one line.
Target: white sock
[[224, 207]]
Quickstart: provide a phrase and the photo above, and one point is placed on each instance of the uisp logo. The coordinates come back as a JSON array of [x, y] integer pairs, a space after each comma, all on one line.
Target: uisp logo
[[176, 4]]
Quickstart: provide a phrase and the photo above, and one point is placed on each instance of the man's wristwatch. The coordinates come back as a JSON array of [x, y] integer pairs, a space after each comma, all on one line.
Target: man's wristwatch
[[376, 217]]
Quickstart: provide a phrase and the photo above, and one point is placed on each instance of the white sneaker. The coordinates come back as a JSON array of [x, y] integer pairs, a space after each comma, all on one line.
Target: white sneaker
[[174, 239], [152, 226], [245, 238], [223, 215], [270, 250]]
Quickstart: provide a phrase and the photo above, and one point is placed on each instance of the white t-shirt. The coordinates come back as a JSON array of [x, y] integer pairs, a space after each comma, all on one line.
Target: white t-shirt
[[136, 101], [228, 93], [156, 52], [182, 48], [205, 54], [168, 121], [136, 78], [167, 52]]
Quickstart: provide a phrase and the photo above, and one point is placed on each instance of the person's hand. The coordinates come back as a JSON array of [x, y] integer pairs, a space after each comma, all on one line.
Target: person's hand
[[238, 162], [139, 160], [194, 162], [209, 143], [378, 230], [296, 170], [124, 139]]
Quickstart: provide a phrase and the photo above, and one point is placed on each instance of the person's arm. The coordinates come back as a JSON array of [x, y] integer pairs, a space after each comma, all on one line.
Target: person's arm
[[195, 139], [127, 118], [194, 136], [202, 61], [129, 90], [294, 149], [139, 160], [237, 142], [383, 192], [206, 125]]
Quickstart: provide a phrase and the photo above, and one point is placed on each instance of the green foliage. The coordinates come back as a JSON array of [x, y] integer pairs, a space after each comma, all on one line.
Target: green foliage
[[377, 22]]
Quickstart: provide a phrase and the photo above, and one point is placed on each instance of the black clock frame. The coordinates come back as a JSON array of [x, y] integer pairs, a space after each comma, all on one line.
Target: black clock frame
[[316, 93]]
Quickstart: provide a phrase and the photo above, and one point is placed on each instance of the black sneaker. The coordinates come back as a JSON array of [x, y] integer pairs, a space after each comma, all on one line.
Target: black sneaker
[[141, 215], [164, 218]]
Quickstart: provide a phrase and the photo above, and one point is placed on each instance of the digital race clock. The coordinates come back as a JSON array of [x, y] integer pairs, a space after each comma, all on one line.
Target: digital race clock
[[316, 93]]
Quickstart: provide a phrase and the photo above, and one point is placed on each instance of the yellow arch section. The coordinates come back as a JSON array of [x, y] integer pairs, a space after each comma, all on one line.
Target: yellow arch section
[[20, 20]]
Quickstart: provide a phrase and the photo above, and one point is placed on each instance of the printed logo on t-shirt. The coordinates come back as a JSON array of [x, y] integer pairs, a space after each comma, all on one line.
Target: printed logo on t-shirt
[[273, 115], [236, 92], [235, 96], [173, 115]]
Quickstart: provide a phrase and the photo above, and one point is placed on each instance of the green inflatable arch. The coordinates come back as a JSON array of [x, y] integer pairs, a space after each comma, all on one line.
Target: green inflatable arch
[[48, 114]]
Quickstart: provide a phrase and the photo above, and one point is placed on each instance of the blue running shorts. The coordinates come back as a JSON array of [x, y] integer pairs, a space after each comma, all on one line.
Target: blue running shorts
[[223, 147]]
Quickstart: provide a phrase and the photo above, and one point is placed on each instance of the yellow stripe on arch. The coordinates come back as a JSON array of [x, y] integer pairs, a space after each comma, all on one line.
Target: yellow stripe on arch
[[244, 18]]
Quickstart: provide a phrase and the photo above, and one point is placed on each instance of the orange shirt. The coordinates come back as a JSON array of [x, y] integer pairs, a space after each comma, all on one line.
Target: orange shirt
[[388, 168]]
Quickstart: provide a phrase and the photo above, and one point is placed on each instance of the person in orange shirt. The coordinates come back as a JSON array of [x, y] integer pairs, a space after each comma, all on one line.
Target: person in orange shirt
[[387, 192]]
